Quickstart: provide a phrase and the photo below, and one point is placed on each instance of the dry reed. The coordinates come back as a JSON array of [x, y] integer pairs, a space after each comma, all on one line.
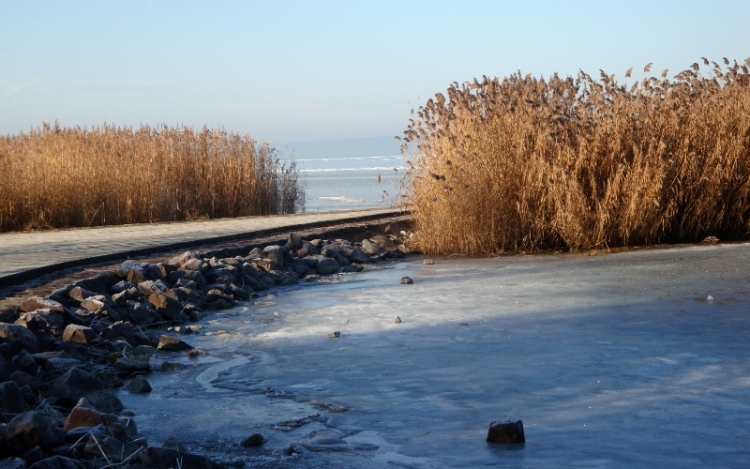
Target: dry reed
[[576, 163], [71, 177]]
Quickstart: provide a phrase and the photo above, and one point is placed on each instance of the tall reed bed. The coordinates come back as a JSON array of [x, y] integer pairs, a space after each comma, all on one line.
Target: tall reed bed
[[527, 163], [71, 177]]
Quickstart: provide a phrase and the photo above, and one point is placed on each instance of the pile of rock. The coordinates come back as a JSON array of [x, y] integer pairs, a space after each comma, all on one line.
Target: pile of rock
[[61, 355]]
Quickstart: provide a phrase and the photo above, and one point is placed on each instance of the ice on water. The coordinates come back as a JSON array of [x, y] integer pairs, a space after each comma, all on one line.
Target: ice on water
[[614, 360]]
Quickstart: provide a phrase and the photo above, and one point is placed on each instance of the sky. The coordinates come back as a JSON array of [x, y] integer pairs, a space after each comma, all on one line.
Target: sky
[[302, 71]]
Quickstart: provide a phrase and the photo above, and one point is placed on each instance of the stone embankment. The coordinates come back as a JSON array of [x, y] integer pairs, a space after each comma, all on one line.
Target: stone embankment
[[61, 355]]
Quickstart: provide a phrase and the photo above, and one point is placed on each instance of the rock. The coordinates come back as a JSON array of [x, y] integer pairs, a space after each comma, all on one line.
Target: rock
[[372, 249], [121, 286], [194, 265], [172, 344], [119, 331], [253, 441], [307, 249], [12, 463], [358, 255], [58, 366], [104, 401], [24, 361], [80, 334], [276, 254], [110, 448], [334, 335], [11, 400], [141, 314], [138, 386], [397, 320], [131, 294], [165, 458], [81, 416], [33, 304], [167, 307], [18, 338], [294, 241], [406, 281], [149, 287], [241, 293], [353, 268], [182, 258], [56, 462], [137, 275], [74, 385], [79, 294], [43, 321], [127, 366], [31, 429], [327, 266], [506, 432], [221, 304], [174, 443], [428, 262]]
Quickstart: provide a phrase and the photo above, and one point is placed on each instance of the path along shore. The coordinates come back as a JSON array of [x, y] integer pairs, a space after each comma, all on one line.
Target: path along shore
[[27, 255]]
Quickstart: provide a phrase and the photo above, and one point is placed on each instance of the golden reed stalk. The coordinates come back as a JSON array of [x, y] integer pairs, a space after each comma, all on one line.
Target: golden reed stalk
[[530, 164], [71, 177]]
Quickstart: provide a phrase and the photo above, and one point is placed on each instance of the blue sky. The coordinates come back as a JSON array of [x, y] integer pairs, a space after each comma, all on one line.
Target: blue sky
[[289, 71]]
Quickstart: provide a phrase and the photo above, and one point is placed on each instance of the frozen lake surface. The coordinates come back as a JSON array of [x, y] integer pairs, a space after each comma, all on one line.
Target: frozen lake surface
[[633, 359]]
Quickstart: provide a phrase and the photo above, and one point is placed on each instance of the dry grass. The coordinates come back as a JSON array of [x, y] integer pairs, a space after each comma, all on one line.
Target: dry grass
[[70, 177], [528, 164]]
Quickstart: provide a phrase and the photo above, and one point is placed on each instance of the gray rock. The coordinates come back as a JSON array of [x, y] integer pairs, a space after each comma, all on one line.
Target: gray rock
[[327, 266], [74, 385], [307, 249], [406, 281], [104, 401], [138, 386], [121, 286], [141, 314], [11, 400], [357, 255], [18, 338], [12, 463], [253, 441], [294, 241], [275, 253], [372, 249], [506, 432]]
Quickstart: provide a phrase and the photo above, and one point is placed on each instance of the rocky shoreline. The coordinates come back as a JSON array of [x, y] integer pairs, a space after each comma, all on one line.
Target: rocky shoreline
[[61, 355]]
